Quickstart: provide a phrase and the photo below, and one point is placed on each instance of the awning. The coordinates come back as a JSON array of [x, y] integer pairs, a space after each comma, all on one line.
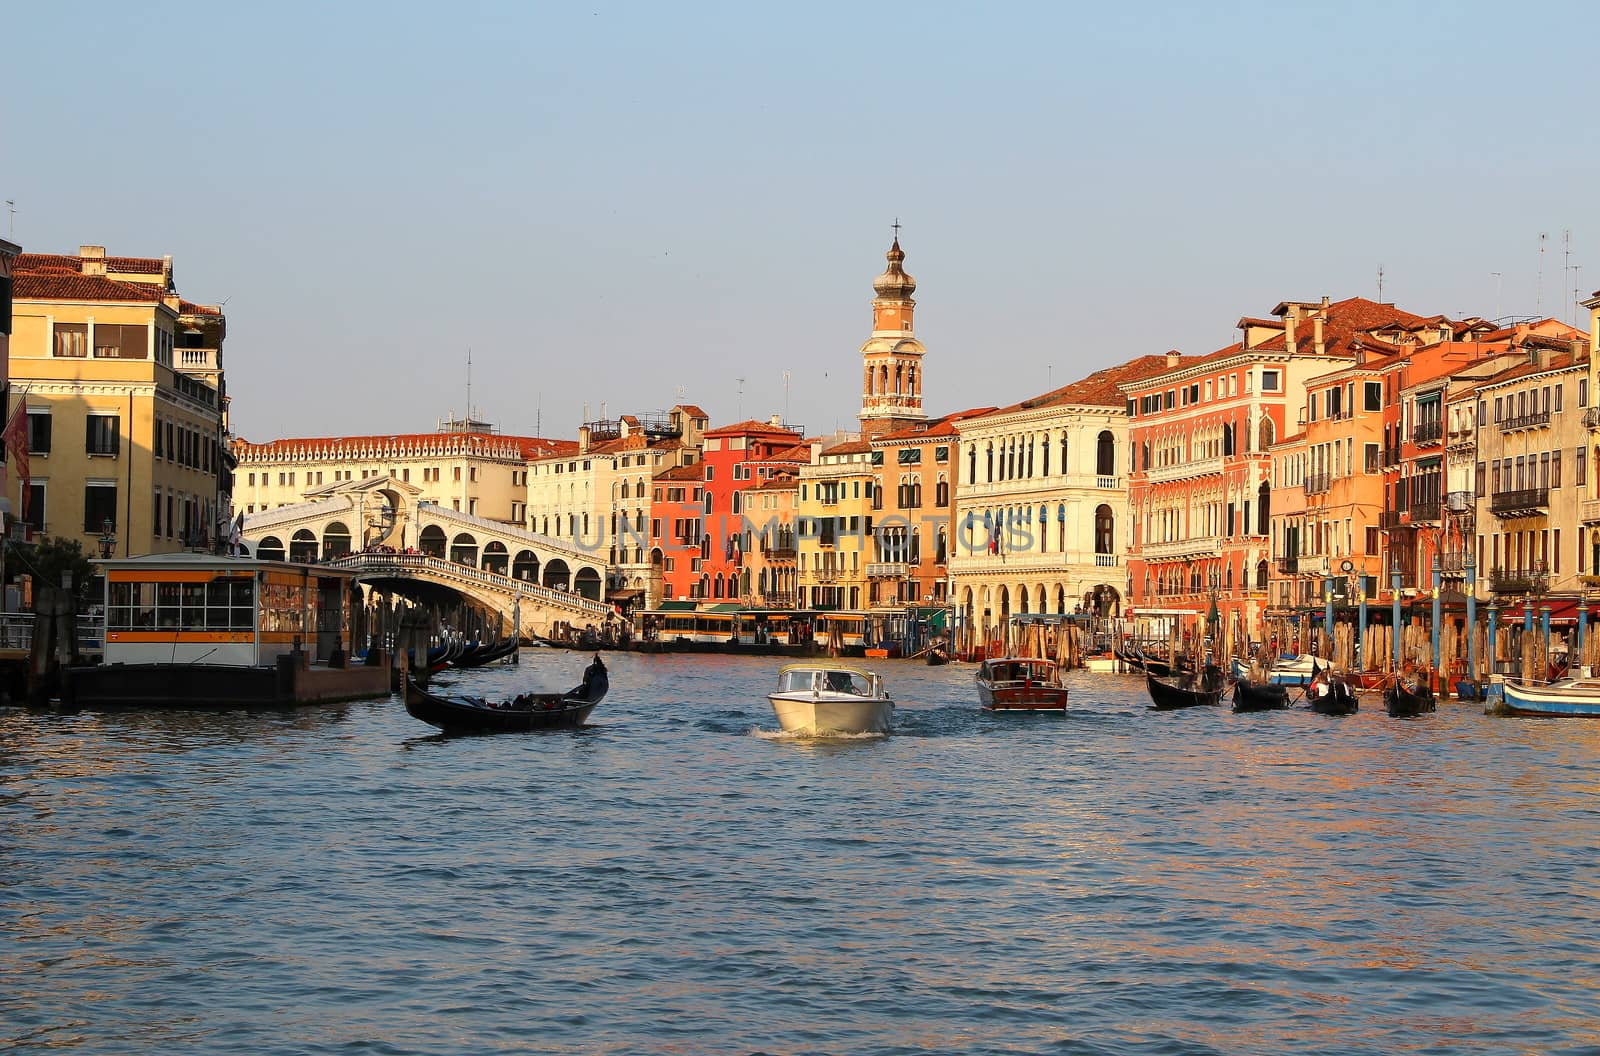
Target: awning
[[1562, 610], [624, 595], [677, 606], [727, 606]]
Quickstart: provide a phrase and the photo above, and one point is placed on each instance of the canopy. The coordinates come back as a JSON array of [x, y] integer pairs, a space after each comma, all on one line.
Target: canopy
[[1562, 610]]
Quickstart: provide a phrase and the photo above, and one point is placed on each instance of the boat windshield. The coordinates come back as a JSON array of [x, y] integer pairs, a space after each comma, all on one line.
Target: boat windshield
[[854, 682]]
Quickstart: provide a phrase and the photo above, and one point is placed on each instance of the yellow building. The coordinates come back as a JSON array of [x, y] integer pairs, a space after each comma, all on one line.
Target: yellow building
[[770, 564], [126, 403], [8, 257], [464, 466], [834, 515]]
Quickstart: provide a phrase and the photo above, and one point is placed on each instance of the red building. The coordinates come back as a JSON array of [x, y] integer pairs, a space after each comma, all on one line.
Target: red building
[[677, 532], [734, 459]]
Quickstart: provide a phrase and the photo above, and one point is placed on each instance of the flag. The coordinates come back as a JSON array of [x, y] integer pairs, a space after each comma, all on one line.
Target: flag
[[15, 438]]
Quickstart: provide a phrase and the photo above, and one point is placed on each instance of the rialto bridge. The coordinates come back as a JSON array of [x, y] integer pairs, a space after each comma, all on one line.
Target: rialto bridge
[[379, 528]]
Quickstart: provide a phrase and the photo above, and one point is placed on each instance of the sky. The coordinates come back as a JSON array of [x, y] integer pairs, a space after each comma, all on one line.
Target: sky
[[618, 207]]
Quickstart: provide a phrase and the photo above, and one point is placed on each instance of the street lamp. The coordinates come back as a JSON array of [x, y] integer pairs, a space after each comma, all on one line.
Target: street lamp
[[108, 538]]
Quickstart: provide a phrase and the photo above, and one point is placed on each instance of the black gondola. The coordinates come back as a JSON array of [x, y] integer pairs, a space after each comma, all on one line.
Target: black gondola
[[531, 711], [1167, 696], [488, 654], [1259, 696], [1403, 699], [1331, 695], [937, 655], [439, 660]]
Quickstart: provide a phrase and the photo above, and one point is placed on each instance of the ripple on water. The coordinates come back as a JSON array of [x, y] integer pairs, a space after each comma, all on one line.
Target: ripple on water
[[682, 877]]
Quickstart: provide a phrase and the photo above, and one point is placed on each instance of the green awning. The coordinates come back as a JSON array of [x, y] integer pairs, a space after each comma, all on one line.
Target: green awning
[[727, 606], [676, 606]]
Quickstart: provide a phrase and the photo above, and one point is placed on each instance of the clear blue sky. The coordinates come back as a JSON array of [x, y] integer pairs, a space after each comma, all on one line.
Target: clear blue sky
[[607, 202]]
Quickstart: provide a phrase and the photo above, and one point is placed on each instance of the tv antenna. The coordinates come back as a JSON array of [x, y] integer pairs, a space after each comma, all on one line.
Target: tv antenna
[[1538, 289], [1499, 278], [469, 383], [1380, 283], [786, 397], [11, 205], [740, 404]]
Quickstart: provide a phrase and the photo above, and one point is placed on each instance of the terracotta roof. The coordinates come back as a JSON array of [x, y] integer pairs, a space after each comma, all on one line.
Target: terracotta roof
[[52, 285], [694, 472], [851, 447], [942, 426], [749, 426], [632, 442], [800, 453], [691, 410], [120, 265], [190, 308], [487, 444], [784, 482], [1101, 389], [1276, 324], [1558, 361]]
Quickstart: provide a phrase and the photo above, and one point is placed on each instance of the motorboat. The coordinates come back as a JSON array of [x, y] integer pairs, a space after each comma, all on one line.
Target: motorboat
[[1013, 683], [1566, 698], [528, 711], [1284, 671], [823, 698]]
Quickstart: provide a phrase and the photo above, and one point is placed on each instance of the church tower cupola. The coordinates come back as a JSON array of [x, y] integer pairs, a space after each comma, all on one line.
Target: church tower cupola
[[891, 392]]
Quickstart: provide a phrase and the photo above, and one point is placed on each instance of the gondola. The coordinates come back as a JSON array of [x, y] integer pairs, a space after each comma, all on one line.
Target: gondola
[[532, 711], [439, 660], [1167, 696], [488, 654], [1259, 696], [1339, 699], [1405, 700]]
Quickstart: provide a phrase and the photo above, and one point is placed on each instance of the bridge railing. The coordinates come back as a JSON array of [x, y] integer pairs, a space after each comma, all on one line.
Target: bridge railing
[[548, 595], [504, 528]]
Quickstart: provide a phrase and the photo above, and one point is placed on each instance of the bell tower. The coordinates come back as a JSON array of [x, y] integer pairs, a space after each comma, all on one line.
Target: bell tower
[[891, 382]]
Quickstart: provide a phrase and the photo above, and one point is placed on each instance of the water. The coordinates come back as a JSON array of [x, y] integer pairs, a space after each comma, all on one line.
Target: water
[[677, 879]]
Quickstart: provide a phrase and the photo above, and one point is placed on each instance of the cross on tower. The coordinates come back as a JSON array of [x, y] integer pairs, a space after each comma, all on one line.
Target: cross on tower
[[896, 226]]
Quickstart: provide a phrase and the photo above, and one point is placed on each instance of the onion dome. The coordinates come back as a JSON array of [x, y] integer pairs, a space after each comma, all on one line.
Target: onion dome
[[894, 283]]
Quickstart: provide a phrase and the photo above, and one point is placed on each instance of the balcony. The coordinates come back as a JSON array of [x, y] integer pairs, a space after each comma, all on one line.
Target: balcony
[[1518, 580], [1525, 421], [1528, 502], [1289, 566], [1389, 520], [195, 359], [1591, 418], [1317, 483], [1106, 560], [1461, 441], [887, 570], [1589, 511], [1200, 546], [1390, 458], [1108, 482], [1454, 563], [778, 553], [1199, 467], [1424, 512], [1428, 434], [1458, 501]]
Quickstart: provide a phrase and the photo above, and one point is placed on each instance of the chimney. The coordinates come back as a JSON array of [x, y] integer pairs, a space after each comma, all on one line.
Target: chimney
[[775, 420], [94, 260], [1324, 303], [1173, 358], [1316, 330], [583, 439], [1288, 329]]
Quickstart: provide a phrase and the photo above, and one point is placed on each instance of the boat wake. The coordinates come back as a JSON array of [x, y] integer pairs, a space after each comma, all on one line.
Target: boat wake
[[806, 735]]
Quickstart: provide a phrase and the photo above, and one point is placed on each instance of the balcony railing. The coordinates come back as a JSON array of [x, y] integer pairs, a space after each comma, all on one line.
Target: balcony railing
[[1428, 434], [1390, 519], [1591, 418], [1518, 580], [778, 553], [887, 570], [1106, 560], [1525, 421], [1589, 511], [1108, 482], [1520, 503], [1317, 483], [1424, 511], [1289, 566], [1458, 501], [1200, 545]]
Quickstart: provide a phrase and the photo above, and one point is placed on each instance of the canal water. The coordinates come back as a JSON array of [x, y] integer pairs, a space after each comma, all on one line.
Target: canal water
[[680, 879]]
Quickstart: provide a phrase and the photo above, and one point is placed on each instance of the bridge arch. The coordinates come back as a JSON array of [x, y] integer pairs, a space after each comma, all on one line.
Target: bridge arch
[[335, 540], [525, 566], [270, 549], [495, 557], [587, 583], [431, 541], [556, 574], [303, 546], [464, 549]]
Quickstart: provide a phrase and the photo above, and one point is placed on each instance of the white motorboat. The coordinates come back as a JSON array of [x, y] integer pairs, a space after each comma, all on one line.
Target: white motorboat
[[822, 698], [1285, 670]]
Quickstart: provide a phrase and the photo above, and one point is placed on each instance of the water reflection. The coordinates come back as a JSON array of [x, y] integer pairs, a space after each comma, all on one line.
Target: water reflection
[[676, 877]]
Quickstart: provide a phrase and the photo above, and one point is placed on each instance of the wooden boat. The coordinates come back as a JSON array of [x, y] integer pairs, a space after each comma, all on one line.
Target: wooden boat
[[937, 654], [488, 654], [1259, 696], [1206, 691], [1407, 698], [1013, 683], [1330, 694], [530, 711], [1284, 671], [823, 697], [1567, 698], [442, 656]]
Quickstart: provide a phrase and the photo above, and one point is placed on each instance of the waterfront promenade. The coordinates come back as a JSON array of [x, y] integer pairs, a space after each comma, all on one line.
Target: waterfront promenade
[[679, 879]]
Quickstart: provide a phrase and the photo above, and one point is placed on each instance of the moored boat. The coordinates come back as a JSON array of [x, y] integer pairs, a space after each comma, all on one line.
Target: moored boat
[[1284, 671], [1013, 683], [488, 654], [1204, 690], [1567, 698], [823, 698], [1408, 697], [529, 711]]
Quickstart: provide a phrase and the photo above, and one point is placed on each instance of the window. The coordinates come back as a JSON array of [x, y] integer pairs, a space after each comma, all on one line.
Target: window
[[72, 341], [99, 506], [1583, 392], [155, 507], [38, 432], [117, 341], [103, 435], [35, 514], [1372, 464], [1269, 381], [1580, 468], [1374, 396]]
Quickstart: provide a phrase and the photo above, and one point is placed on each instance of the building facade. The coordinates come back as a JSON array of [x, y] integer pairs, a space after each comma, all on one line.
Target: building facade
[[833, 515], [735, 459], [127, 441], [891, 381]]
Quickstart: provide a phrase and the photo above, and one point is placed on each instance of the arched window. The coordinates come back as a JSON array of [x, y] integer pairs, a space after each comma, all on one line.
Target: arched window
[[1264, 506], [1105, 455], [1261, 576], [941, 492], [1063, 451], [1104, 529], [990, 477], [1266, 433], [972, 465], [708, 502]]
